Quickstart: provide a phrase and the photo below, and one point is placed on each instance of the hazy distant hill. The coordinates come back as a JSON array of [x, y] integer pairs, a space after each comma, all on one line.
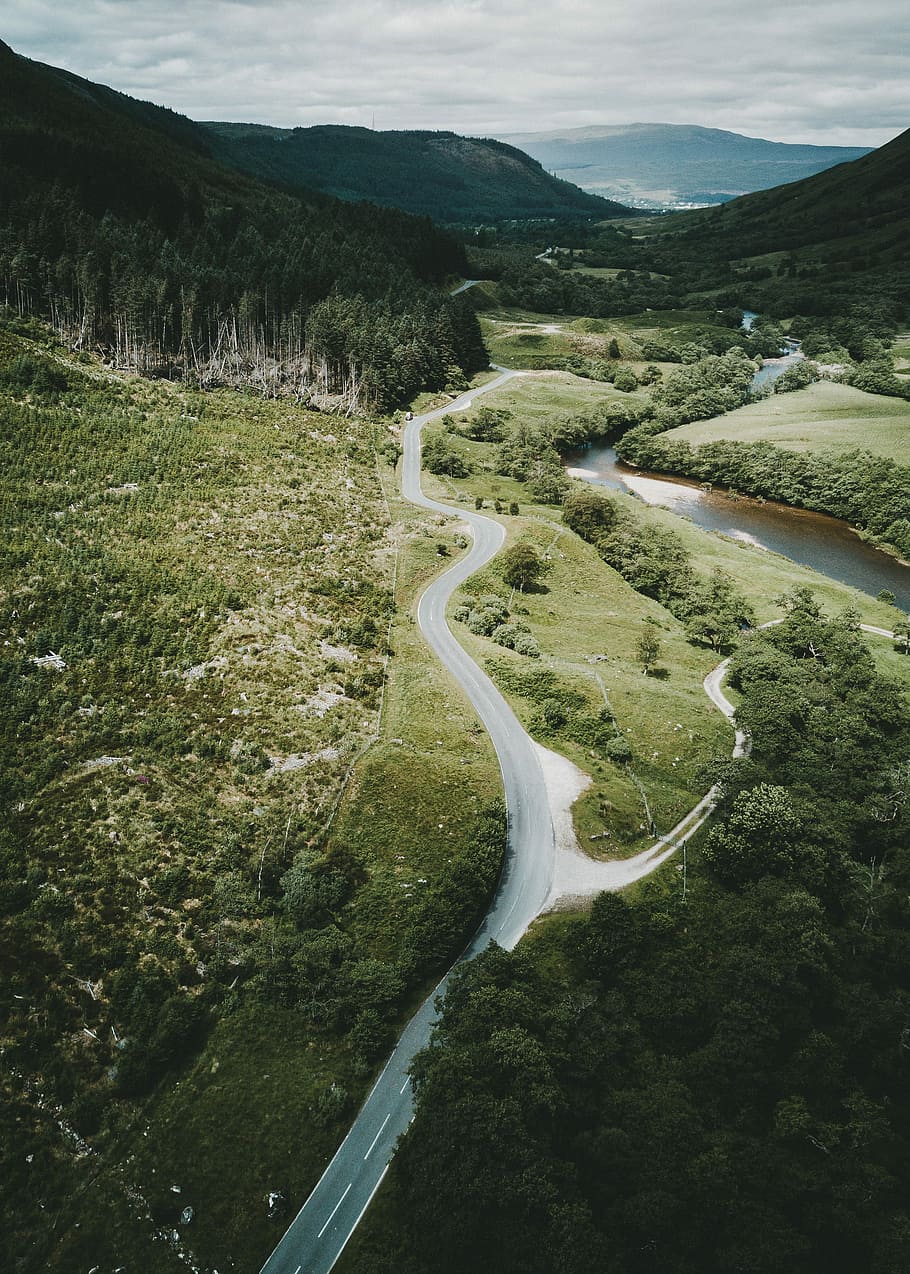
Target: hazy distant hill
[[672, 164], [865, 203], [450, 178]]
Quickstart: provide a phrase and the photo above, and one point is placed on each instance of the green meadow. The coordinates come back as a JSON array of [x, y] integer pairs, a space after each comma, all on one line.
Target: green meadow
[[823, 417]]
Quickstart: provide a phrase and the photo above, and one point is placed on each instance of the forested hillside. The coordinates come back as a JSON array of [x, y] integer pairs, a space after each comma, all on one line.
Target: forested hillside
[[453, 179], [711, 1076], [116, 227], [832, 246]]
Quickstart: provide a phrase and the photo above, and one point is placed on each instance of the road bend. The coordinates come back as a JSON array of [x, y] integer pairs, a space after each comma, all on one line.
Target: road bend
[[316, 1237]]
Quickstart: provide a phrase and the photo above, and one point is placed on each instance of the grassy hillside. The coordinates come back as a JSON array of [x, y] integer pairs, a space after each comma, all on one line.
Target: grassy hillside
[[441, 175], [666, 165], [862, 203], [195, 596]]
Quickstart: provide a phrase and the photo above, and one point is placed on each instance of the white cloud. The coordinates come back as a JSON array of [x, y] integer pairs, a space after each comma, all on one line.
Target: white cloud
[[836, 72]]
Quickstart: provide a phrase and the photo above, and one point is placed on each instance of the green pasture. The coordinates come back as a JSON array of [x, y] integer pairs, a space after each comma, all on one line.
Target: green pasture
[[823, 417]]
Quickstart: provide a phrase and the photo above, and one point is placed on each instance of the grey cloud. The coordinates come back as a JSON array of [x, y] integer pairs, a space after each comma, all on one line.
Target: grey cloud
[[797, 71]]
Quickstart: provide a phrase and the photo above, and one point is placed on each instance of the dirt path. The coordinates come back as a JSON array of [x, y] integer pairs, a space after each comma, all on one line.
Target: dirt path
[[578, 878]]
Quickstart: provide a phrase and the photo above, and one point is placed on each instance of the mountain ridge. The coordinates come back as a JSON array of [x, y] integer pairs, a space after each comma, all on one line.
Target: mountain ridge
[[119, 227], [668, 164], [441, 174]]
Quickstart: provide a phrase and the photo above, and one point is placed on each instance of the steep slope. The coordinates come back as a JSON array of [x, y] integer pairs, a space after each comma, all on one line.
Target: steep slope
[[833, 242], [117, 226], [114, 154], [865, 201], [670, 164], [450, 178]]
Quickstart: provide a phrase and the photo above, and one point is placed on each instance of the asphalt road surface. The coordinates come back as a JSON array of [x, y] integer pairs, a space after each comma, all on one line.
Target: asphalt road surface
[[330, 1215]]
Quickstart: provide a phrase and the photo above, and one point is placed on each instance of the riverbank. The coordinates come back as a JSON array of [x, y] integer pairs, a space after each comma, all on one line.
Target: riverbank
[[818, 541]]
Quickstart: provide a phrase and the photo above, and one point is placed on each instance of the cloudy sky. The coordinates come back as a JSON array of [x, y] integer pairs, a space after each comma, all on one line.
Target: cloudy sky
[[831, 71]]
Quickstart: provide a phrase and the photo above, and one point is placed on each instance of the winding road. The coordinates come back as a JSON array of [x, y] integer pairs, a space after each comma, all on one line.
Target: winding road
[[529, 883], [316, 1237]]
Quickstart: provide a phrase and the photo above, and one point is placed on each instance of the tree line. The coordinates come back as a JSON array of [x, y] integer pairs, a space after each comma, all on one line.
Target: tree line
[[709, 1076], [118, 229], [653, 559], [865, 489]]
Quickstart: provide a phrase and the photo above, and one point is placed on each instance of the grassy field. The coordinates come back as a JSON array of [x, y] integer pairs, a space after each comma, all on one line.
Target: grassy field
[[606, 271], [522, 339], [824, 416], [674, 326], [587, 621], [433, 762], [544, 396], [526, 342]]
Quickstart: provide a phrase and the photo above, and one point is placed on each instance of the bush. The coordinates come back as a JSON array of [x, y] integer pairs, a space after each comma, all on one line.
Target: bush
[[370, 1037], [618, 750], [508, 634], [527, 645], [26, 374], [482, 622], [447, 912], [588, 513], [626, 380], [312, 890], [796, 377], [440, 456], [331, 1105], [553, 714], [549, 483], [521, 565]]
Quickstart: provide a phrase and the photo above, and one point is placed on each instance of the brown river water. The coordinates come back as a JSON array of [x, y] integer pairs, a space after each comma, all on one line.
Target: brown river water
[[812, 539]]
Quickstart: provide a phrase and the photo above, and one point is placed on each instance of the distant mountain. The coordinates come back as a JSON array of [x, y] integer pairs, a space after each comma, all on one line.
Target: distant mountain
[[672, 165], [119, 225], [453, 179]]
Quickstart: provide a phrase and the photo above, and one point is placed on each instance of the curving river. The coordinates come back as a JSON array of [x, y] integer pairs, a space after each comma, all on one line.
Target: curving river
[[812, 539]]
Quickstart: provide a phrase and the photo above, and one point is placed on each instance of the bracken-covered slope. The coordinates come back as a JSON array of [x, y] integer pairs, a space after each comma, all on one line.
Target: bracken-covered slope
[[453, 179]]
